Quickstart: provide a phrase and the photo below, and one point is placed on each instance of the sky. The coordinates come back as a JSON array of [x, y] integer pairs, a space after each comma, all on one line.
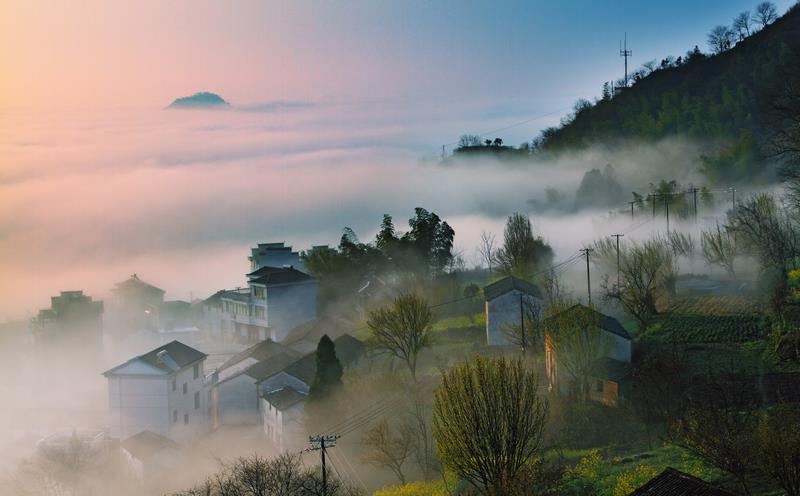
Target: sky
[[336, 109]]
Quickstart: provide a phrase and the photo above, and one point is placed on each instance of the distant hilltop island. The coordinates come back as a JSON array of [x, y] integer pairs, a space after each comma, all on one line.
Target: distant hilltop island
[[202, 99]]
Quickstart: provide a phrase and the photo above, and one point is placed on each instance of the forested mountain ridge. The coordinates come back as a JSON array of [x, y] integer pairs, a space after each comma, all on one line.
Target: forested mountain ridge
[[721, 99]]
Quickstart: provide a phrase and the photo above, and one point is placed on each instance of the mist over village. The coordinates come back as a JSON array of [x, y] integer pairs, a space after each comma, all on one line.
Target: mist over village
[[400, 248]]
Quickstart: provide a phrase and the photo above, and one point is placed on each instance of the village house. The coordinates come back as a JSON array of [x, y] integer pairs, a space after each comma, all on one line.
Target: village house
[[276, 300], [73, 322], [135, 306], [283, 394], [506, 300], [235, 392], [164, 391], [610, 373]]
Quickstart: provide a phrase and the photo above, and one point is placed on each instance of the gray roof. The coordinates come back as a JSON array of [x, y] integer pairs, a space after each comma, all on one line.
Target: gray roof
[[133, 282], [148, 443], [259, 351], [267, 368], [284, 398], [510, 283], [274, 276], [607, 323], [169, 358], [348, 350], [673, 482]]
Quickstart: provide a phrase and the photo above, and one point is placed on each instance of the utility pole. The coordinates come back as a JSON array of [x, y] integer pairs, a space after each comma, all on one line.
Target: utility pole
[[443, 153], [733, 197], [586, 252], [624, 52], [321, 443], [522, 323], [666, 206], [631, 203], [618, 279], [694, 191], [653, 196]]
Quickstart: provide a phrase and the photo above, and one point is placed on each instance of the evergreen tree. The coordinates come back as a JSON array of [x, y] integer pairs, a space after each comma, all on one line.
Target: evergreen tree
[[328, 376]]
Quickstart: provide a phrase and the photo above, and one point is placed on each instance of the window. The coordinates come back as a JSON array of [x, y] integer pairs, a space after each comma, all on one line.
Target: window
[[185, 388], [196, 370], [186, 419], [197, 400], [174, 384], [599, 386], [174, 415]]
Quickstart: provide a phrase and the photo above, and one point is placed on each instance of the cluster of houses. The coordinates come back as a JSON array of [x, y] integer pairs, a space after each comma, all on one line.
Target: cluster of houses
[[245, 356], [507, 302]]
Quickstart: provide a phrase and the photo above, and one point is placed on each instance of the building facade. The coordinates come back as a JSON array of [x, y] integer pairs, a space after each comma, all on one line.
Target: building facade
[[164, 391], [506, 301], [276, 300], [73, 323]]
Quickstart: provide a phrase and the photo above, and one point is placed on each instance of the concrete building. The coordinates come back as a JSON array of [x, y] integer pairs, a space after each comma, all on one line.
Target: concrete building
[[277, 300], [273, 255], [610, 375], [164, 391], [73, 323], [135, 306], [506, 299]]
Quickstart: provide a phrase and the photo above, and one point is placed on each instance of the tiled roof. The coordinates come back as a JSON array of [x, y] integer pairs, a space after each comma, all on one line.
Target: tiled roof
[[271, 366], [134, 282], [148, 443], [270, 276], [259, 351], [348, 350], [607, 323], [168, 358], [284, 398], [673, 482], [507, 284]]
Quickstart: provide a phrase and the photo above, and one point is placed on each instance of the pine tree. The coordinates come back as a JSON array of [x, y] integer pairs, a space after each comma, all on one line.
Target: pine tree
[[328, 376]]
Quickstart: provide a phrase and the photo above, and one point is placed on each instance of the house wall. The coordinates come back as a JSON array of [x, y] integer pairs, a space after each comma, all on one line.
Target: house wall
[[237, 401], [137, 404], [504, 310], [284, 429], [620, 348], [184, 404], [289, 306]]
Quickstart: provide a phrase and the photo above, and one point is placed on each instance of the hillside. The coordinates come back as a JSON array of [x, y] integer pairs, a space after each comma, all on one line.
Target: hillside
[[720, 99], [202, 99]]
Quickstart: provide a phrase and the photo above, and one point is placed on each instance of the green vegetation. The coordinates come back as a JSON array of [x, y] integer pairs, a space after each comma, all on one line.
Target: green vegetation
[[328, 375]]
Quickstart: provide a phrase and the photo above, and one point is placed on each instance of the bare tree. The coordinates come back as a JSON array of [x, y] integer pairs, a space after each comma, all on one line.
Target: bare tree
[[717, 424], [403, 330], [522, 252], [467, 140], [486, 249], [766, 13], [719, 249], [647, 272], [721, 38], [488, 422], [779, 443], [767, 229], [741, 24], [259, 476], [388, 449]]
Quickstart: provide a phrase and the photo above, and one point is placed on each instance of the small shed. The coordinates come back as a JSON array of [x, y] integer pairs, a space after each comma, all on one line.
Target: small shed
[[673, 482]]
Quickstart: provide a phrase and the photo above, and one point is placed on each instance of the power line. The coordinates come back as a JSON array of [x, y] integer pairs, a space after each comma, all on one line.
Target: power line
[[526, 121]]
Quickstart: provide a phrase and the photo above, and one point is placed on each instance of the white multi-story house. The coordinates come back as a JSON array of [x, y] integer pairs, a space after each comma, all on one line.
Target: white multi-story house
[[164, 391], [276, 300], [506, 300]]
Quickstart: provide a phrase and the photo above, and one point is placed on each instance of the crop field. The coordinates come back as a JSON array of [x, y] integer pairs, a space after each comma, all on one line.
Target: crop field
[[712, 319]]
